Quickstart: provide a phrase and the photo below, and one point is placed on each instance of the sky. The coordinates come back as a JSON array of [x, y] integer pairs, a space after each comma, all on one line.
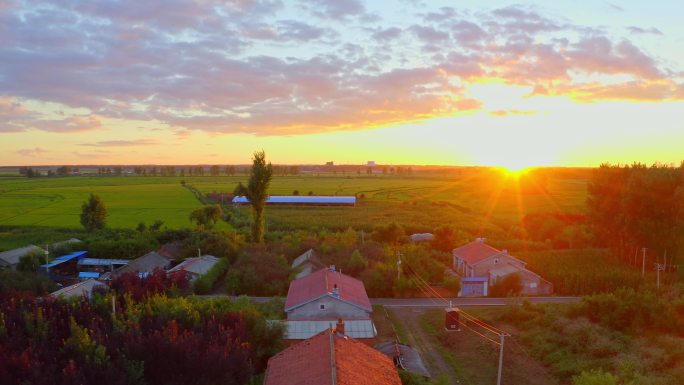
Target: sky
[[470, 82]]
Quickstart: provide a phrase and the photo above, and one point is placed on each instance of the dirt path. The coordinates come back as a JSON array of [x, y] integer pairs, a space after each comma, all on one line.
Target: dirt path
[[410, 318]]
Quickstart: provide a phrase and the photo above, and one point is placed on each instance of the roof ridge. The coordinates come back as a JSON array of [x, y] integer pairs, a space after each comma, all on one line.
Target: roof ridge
[[333, 367]]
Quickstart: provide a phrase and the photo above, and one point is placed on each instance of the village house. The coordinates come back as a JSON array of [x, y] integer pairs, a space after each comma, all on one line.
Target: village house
[[331, 358], [193, 268], [10, 259], [306, 263], [482, 266], [143, 266], [320, 299]]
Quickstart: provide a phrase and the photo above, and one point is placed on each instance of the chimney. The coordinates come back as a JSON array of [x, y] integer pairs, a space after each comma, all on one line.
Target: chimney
[[336, 291], [339, 328]]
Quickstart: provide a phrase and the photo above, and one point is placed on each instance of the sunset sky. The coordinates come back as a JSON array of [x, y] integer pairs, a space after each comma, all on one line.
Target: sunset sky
[[571, 83]]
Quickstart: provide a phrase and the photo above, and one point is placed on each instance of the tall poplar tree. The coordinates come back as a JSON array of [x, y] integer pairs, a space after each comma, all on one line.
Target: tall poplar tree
[[256, 192]]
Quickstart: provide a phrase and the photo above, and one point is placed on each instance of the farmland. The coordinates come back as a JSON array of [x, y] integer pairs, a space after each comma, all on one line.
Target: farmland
[[475, 199]]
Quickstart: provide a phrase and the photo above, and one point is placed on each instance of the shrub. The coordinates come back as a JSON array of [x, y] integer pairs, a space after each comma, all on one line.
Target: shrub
[[595, 377], [206, 283]]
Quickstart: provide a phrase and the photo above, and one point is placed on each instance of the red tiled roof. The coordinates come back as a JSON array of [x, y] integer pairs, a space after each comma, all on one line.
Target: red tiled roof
[[475, 252], [322, 282], [310, 362]]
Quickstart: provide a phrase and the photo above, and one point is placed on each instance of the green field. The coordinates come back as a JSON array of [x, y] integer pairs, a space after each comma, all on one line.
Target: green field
[[472, 198]]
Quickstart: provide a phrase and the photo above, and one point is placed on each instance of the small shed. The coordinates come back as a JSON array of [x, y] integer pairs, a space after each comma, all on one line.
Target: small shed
[[474, 287], [452, 319], [421, 237], [404, 357]]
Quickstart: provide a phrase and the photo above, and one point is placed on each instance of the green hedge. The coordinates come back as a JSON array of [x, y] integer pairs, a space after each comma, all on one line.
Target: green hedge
[[206, 283]]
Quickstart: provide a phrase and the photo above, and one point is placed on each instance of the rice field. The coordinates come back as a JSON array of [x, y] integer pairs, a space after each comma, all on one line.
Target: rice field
[[469, 198]]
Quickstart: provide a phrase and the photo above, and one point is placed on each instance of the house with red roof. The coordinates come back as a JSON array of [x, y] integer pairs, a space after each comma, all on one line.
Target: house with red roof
[[481, 266], [318, 300], [331, 358]]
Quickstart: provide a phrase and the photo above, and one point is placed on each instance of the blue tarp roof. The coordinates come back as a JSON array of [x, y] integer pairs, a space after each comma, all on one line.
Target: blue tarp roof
[[303, 199], [475, 279], [102, 262], [65, 258], [88, 274]]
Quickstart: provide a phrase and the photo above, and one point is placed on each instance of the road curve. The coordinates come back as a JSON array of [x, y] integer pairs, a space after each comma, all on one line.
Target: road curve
[[433, 302]]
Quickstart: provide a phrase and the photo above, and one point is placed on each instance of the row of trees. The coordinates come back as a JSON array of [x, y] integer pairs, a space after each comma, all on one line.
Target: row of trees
[[637, 206]]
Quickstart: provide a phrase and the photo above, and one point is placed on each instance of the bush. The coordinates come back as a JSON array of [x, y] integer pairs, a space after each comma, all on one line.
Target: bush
[[595, 377], [206, 283]]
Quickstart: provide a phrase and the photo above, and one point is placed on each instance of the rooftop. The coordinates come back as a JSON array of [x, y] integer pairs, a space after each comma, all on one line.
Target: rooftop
[[301, 330], [476, 251], [198, 265], [145, 264], [11, 257], [303, 199], [322, 283], [330, 359], [77, 290]]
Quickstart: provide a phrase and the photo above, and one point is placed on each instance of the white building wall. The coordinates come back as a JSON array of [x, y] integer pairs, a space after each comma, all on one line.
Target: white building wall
[[332, 309]]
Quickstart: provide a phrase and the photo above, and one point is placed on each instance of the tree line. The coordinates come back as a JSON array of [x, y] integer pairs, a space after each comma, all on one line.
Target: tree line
[[634, 206]]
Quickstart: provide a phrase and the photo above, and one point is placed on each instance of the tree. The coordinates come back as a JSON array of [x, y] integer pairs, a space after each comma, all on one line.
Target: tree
[[93, 213], [30, 262], [256, 192], [445, 238], [205, 217]]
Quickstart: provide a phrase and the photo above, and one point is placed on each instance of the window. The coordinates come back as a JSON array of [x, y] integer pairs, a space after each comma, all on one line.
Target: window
[[533, 285], [496, 261], [322, 306]]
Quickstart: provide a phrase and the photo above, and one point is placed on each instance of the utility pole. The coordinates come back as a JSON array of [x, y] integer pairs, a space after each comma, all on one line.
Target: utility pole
[[501, 351], [398, 265], [643, 262], [47, 259]]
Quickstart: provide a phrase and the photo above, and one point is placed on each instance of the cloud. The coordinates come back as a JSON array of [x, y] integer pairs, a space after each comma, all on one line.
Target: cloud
[[387, 34], [500, 113], [31, 152], [335, 9], [644, 31], [122, 143], [266, 68], [76, 123]]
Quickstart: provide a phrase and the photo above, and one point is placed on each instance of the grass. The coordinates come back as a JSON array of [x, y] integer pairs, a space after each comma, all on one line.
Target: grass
[[474, 199], [475, 360]]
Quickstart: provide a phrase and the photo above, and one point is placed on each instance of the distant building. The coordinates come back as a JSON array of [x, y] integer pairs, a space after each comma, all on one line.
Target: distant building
[[10, 259], [324, 297], [421, 237], [482, 266], [371, 163], [307, 263], [143, 266], [302, 200], [330, 358], [329, 164], [196, 267]]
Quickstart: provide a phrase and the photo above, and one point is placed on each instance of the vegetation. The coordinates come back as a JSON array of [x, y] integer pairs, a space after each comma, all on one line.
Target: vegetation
[[206, 283], [256, 192], [152, 338], [93, 213], [635, 206], [206, 217], [626, 337]]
